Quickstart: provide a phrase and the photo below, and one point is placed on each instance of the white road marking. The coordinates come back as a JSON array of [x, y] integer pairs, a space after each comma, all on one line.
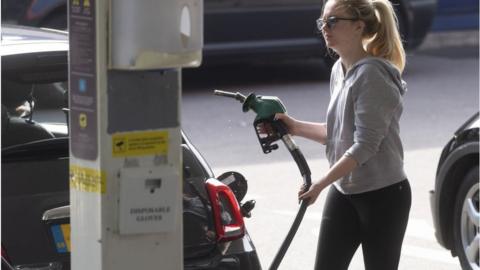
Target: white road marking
[[417, 228], [309, 216], [429, 254]]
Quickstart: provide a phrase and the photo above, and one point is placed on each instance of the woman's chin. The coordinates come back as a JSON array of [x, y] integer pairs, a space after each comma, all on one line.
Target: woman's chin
[[330, 43], [332, 47]]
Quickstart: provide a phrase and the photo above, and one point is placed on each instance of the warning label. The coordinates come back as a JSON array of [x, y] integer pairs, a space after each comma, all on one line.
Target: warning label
[[140, 144], [87, 179]]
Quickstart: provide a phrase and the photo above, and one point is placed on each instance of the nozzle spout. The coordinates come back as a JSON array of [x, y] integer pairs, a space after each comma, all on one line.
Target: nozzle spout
[[238, 96]]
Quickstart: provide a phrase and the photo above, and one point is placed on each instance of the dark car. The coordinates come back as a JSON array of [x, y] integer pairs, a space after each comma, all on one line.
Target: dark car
[[456, 15], [455, 200], [239, 30], [35, 170]]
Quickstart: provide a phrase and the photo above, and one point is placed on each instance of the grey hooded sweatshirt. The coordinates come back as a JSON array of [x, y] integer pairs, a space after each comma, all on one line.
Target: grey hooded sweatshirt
[[363, 123]]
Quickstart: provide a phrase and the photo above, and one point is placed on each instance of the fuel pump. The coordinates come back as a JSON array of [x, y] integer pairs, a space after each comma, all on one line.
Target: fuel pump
[[125, 158], [270, 130]]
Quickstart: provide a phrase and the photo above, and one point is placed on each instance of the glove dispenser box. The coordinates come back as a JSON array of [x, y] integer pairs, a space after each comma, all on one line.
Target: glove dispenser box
[[155, 34], [148, 200]]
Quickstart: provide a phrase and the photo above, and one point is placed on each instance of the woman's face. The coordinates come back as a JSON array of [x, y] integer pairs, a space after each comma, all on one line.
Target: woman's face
[[340, 34]]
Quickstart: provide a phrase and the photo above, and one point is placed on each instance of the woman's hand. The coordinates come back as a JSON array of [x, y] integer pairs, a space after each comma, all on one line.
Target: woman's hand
[[312, 194], [266, 128], [310, 130], [289, 121]]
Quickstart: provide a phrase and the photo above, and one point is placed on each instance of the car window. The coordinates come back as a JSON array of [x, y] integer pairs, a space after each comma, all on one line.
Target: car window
[[49, 99], [32, 111]]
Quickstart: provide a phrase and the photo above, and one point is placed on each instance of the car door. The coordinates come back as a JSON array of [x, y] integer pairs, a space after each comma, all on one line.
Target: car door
[[34, 180], [457, 6], [217, 23], [248, 27], [280, 21]]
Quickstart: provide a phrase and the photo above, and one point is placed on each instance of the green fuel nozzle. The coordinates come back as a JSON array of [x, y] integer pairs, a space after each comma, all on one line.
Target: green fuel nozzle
[[238, 96], [264, 106], [268, 129]]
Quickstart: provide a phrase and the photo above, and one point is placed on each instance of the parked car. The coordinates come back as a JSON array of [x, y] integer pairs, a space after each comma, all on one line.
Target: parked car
[[455, 200], [246, 30], [35, 170], [456, 15]]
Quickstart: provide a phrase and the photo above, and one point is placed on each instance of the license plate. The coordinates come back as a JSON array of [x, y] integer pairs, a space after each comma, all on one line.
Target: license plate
[[61, 237]]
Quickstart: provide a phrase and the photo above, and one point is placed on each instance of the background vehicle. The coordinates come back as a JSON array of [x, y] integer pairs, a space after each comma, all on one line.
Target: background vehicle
[[456, 15], [455, 200], [246, 30], [35, 174]]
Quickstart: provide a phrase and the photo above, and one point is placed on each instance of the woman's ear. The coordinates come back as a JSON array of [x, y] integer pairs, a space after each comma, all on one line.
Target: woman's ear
[[360, 26]]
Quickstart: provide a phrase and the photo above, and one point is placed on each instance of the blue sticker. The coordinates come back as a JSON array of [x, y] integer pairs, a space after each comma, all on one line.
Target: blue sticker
[[82, 85], [58, 239]]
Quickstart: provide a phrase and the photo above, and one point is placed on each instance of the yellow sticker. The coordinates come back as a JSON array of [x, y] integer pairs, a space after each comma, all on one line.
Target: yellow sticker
[[66, 235], [82, 120], [140, 144], [87, 179]]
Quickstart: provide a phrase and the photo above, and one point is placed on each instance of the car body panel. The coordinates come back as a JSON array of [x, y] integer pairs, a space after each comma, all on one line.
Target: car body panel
[[460, 154], [20, 40], [418, 18], [41, 183]]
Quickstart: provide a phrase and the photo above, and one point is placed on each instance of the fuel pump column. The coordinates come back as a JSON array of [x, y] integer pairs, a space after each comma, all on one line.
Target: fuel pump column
[[125, 65]]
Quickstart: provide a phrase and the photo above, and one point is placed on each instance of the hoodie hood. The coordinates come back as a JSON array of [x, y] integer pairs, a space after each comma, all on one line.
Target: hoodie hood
[[384, 65]]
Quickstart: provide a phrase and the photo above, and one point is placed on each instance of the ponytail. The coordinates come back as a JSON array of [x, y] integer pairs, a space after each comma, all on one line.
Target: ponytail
[[386, 41]]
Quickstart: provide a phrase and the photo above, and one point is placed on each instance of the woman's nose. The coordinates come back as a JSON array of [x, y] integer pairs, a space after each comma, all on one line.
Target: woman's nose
[[325, 29], [324, 26]]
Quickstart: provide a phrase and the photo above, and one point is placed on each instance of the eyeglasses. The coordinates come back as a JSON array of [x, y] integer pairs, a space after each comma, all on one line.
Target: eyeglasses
[[331, 21]]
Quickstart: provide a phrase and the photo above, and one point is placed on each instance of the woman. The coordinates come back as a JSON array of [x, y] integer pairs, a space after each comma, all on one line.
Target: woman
[[370, 198]]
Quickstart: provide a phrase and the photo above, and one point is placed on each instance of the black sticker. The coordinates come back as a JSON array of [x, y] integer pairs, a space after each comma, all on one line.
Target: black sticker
[[83, 79]]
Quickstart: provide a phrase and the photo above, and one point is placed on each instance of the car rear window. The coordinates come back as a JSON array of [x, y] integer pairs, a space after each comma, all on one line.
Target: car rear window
[[49, 99], [47, 119]]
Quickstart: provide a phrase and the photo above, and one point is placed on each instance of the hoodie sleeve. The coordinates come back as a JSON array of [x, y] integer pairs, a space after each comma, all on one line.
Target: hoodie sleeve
[[376, 98]]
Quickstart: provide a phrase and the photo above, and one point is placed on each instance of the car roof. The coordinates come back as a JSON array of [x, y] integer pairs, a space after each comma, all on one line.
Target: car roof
[[22, 39]]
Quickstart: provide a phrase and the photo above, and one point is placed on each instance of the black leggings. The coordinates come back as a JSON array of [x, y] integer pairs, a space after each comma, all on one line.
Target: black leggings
[[376, 219]]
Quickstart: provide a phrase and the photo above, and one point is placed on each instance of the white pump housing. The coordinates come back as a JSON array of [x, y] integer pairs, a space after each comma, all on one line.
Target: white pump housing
[[154, 34]]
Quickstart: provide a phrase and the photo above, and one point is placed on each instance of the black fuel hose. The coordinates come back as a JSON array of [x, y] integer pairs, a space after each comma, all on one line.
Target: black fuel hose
[[281, 132], [307, 181]]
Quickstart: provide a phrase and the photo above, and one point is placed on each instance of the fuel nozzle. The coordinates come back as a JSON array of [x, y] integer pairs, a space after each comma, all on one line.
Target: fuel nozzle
[[238, 96], [264, 106], [267, 128]]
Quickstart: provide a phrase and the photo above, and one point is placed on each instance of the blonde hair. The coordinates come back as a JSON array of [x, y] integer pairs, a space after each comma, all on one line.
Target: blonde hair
[[381, 34]]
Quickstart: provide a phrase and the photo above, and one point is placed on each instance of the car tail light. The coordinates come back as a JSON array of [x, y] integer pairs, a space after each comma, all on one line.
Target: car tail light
[[226, 211], [4, 254], [6, 263]]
